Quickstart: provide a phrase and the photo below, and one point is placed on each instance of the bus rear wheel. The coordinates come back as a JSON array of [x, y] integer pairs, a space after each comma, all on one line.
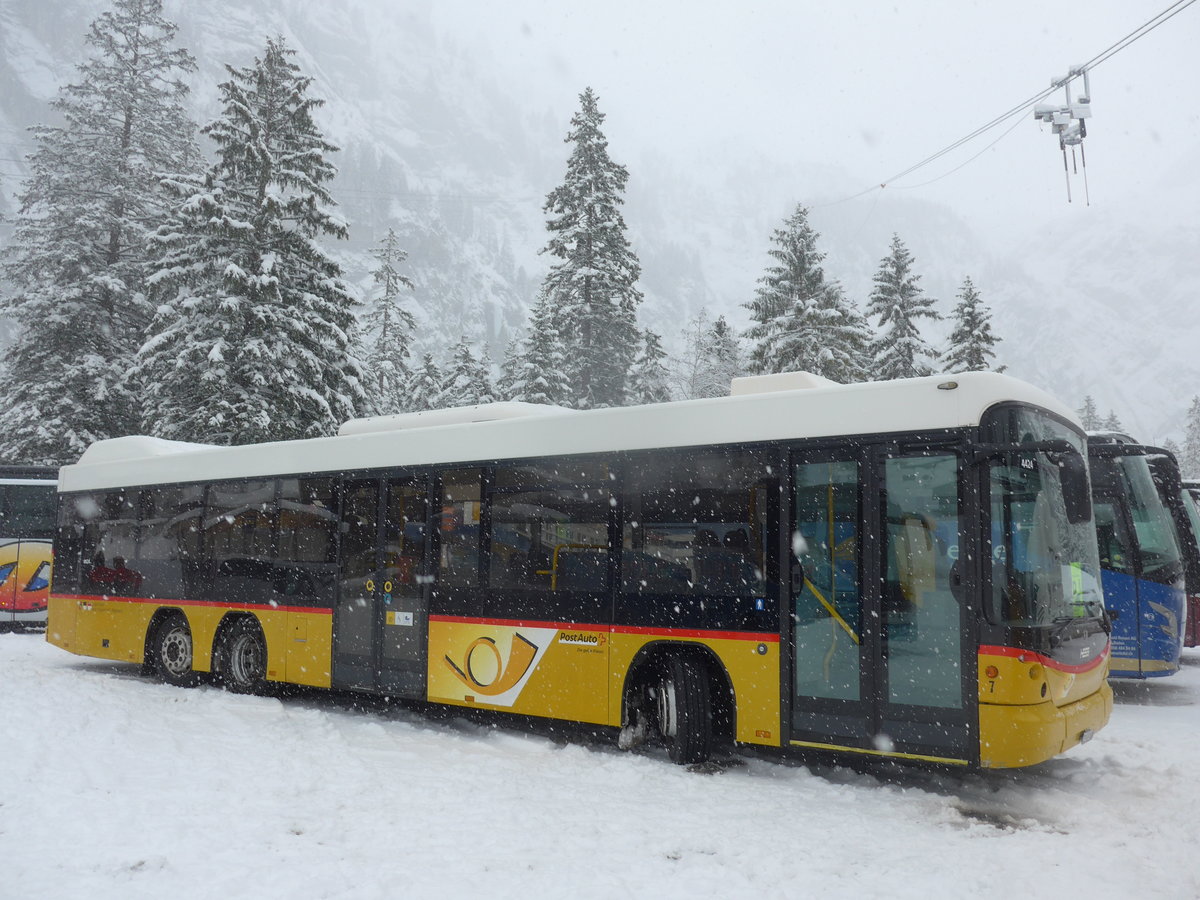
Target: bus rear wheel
[[243, 658], [172, 652], [683, 710]]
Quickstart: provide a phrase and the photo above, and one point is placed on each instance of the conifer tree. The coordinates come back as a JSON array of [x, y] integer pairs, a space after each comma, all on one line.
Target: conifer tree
[[467, 382], [648, 378], [972, 344], [897, 300], [593, 283], [540, 375], [252, 337], [506, 383], [1112, 423], [391, 326], [76, 264], [1189, 460], [1089, 416], [723, 352], [425, 390], [802, 322]]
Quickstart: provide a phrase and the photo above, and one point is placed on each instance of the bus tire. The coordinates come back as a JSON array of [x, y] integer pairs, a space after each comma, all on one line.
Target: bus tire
[[683, 710], [243, 658], [173, 653]]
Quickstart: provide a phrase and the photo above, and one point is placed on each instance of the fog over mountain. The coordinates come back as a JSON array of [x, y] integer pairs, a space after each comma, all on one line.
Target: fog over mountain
[[455, 140]]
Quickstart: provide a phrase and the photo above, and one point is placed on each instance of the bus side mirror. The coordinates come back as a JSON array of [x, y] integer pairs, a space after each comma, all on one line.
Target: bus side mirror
[[1077, 494]]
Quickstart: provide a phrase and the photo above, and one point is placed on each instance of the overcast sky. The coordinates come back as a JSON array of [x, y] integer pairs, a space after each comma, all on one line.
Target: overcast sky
[[875, 87]]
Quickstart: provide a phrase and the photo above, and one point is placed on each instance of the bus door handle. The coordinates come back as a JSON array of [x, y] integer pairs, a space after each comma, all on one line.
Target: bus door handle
[[798, 578]]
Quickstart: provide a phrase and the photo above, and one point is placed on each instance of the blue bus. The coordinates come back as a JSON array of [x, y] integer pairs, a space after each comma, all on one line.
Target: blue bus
[[1142, 564]]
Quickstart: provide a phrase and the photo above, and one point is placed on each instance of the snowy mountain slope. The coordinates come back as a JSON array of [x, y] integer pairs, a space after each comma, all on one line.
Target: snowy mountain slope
[[446, 140]]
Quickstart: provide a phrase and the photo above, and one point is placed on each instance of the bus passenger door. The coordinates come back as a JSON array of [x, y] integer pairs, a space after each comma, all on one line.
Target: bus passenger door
[[380, 627], [927, 693], [403, 589], [877, 628], [355, 615]]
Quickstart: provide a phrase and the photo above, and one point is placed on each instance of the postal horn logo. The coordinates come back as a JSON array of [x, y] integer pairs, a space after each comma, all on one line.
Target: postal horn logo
[[521, 654]]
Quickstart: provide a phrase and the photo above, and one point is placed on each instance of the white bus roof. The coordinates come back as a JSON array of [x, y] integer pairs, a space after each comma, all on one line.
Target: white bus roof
[[807, 408]]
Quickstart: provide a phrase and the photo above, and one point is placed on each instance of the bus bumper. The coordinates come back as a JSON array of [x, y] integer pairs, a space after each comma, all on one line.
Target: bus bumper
[[1011, 736]]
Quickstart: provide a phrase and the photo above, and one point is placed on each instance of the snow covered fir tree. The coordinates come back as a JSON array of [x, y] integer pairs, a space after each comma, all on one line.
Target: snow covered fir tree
[[1189, 456], [803, 322], [972, 343], [391, 327], [648, 377], [1089, 416], [466, 381], [899, 303], [76, 267], [539, 371], [592, 285], [252, 337]]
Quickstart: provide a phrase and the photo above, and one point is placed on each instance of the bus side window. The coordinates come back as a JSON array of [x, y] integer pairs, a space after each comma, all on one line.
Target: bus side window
[[458, 528], [696, 525], [169, 541], [549, 527], [68, 548]]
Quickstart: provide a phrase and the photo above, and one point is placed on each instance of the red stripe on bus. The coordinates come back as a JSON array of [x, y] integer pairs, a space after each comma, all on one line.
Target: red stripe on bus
[[1048, 662], [164, 601], [616, 629]]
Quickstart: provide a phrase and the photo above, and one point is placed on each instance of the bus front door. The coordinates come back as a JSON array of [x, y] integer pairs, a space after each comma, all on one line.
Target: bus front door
[[380, 622], [880, 657]]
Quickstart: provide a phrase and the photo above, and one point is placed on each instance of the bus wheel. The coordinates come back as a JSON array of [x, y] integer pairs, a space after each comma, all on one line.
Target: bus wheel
[[243, 658], [684, 711], [172, 651]]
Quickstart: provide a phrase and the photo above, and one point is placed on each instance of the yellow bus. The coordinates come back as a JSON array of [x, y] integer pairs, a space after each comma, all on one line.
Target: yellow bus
[[904, 569]]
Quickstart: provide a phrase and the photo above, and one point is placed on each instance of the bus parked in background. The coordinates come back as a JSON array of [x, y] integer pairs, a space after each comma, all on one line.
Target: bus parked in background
[[1191, 631], [1140, 556], [905, 569], [1186, 509], [27, 515]]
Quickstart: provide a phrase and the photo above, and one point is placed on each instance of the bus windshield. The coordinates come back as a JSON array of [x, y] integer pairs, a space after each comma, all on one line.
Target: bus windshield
[[1160, 553], [1045, 569]]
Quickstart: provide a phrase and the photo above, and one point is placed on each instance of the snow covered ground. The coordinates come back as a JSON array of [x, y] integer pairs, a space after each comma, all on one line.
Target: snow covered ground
[[116, 786]]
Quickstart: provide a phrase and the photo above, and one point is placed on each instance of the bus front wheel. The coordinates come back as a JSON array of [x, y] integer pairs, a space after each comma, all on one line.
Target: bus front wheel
[[172, 649], [243, 658], [683, 710]]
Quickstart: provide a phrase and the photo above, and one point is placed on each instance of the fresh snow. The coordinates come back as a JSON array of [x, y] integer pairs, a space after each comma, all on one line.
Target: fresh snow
[[120, 787]]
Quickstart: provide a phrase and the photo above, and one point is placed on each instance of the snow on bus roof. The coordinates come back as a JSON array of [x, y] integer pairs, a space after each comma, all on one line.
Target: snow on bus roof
[[473, 435]]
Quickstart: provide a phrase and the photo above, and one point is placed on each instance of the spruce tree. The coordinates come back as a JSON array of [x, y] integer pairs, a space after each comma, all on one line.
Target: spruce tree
[[391, 327], [540, 375], [648, 378], [509, 366], [76, 264], [1089, 416], [467, 382], [802, 322], [725, 360], [972, 344], [1189, 460], [1112, 423], [425, 390], [898, 350], [252, 337], [593, 283]]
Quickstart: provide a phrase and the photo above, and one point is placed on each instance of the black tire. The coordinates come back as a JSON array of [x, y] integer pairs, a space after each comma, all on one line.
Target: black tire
[[683, 710], [243, 658], [171, 651]]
